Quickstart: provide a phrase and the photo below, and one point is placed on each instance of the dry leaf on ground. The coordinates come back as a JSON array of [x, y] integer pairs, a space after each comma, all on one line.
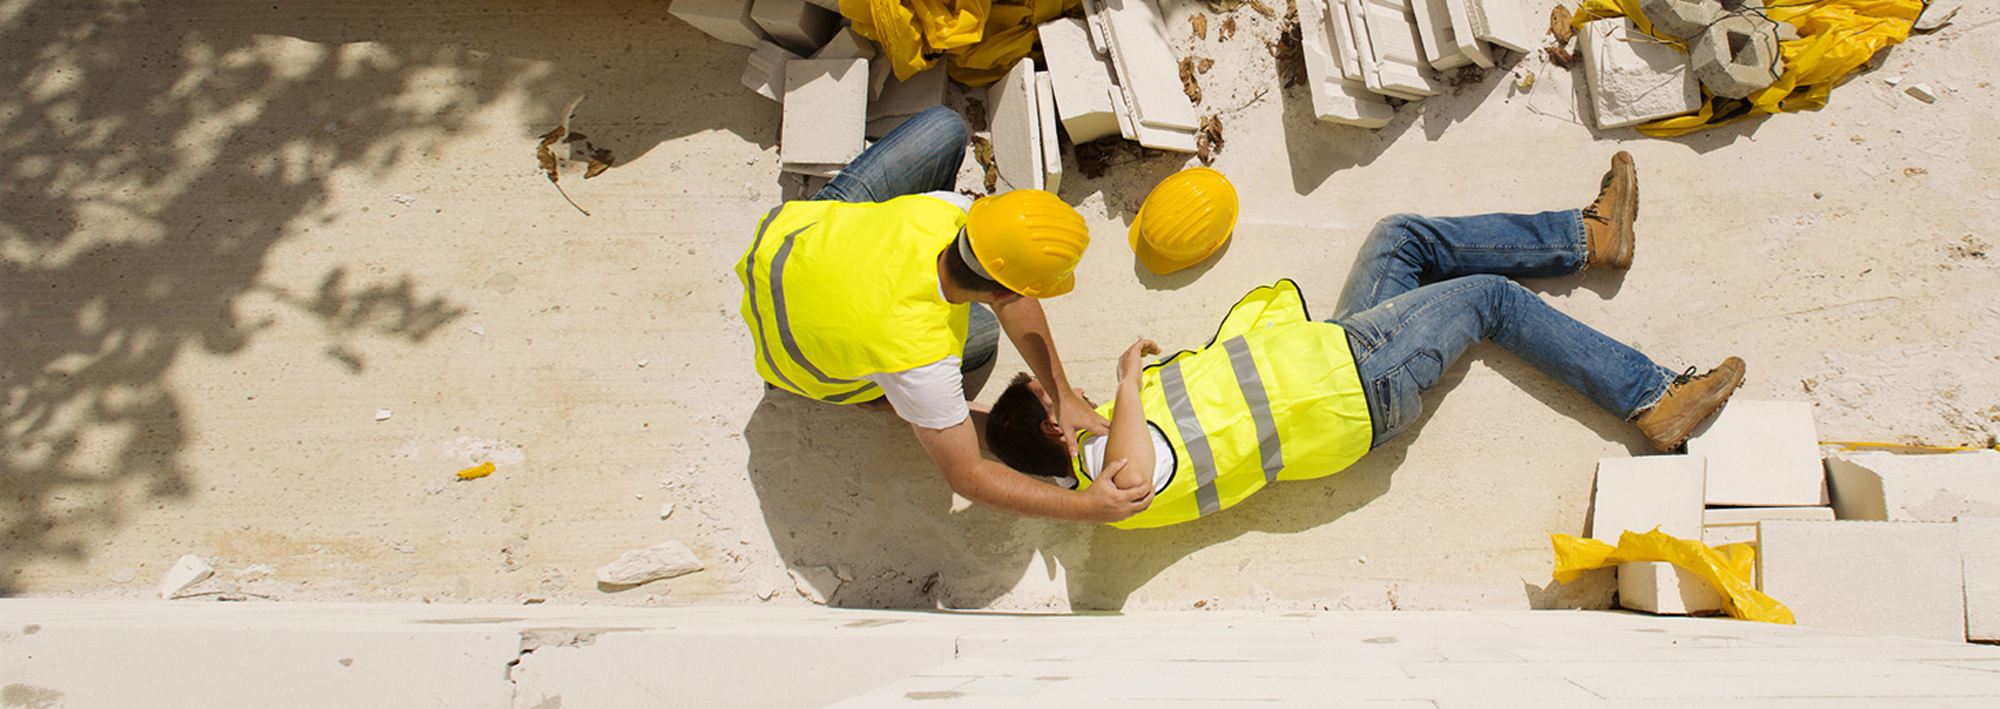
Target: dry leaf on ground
[[546, 156], [1559, 25], [1561, 57], [1286, 51], [1263, 9], [1200, 24], [1228, 29], [982, 150], [1208, 139], [1204, 65], [1188, 84]]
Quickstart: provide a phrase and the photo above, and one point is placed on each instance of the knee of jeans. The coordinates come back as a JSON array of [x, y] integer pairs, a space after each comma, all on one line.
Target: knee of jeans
[[943, 118]]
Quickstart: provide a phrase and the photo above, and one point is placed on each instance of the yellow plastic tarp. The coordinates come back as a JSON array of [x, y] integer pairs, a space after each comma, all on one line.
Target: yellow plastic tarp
[[1727, 568], [978, 39], [1836, 38]]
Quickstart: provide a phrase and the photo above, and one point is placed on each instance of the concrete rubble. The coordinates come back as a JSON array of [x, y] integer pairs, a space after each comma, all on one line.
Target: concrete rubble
[[1634, 78], [186, 572], [661, 561]]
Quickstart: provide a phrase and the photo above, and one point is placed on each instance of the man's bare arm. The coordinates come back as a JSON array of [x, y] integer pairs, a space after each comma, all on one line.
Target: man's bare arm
[[955, 451], [1129, 440], [1028, 327]]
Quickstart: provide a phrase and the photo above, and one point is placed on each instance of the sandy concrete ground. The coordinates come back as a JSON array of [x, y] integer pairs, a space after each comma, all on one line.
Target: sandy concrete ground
[[231, 232]]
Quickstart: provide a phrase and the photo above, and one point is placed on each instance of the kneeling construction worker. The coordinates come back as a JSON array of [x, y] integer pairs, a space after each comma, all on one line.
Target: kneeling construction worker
[[1277, 396], [864, 295]]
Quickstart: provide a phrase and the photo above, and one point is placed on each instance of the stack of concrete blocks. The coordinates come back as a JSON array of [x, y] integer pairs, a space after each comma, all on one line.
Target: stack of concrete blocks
[[1336, 98], [1146, 95], [1023, 130], [1084, 80], [1763, 464], [1880, 578], [1359, 51], [1639, 495], [1959, 490], [1732, 46], [1633, 77], [826, 109], [796, 25]]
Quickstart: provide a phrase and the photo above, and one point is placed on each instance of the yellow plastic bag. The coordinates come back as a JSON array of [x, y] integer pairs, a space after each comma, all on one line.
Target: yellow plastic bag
[[979, 39], [1836, 38], [1727, 567]]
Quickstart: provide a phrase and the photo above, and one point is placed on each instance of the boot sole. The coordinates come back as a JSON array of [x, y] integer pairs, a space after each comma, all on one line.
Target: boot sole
[[1625, 212]]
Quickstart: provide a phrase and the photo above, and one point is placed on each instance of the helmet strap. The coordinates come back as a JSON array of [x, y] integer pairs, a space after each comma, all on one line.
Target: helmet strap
[[965, 254]]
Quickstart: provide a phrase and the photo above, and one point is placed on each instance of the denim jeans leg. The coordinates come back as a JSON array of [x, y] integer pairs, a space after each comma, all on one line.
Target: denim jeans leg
[[1403, 345], [921, 155], [1404, 251]]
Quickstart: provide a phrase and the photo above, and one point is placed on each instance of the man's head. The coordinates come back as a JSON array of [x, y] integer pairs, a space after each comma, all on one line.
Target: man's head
[[1020, 433], [1025, 241]]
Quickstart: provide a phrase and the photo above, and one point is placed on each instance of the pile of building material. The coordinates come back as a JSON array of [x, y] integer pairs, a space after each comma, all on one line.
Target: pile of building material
[[1871, 542], [1359, 53], [1115, 73], [1635, 78]]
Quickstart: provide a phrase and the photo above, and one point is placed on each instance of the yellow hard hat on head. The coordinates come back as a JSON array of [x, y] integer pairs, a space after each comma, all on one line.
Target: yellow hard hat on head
[[1185, 218], [1026, 240]]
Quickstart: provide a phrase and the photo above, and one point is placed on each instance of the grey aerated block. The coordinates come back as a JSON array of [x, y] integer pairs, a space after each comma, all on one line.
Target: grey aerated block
[[1680, 19], [1738, 55]]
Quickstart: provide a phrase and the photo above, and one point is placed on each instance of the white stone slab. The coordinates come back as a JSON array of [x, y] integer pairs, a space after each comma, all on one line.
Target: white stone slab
[[1889, 578], [1663, 588], [1052, 162], [795, 24], [1634, 78], [1336, 98], [1734, 525], [726, 20], [826, 110], [909, 97], [1083, 80], [1463, 36], [1399, 65], [1501, 22], [1914, 488], [764, 71], [1762, 454], [1434, 32], [1015, 122], [1148, 71], [847, 44], [1979, 541], [1638, 494], [1346, 47]]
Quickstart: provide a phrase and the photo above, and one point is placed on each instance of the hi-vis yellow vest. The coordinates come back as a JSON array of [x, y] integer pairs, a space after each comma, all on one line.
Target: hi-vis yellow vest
[[1273, 397], [835, 290]]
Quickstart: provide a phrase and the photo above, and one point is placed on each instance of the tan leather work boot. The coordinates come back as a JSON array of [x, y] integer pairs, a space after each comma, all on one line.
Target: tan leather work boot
[[1689, 401], [1607, 222]]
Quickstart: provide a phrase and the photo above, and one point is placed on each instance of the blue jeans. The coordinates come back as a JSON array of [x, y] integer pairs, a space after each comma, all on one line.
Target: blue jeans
[[921, 155], [1404, 335]]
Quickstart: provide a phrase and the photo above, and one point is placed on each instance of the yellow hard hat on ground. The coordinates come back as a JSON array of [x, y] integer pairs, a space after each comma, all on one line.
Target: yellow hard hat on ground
[[1185, 218], [1026, 240]]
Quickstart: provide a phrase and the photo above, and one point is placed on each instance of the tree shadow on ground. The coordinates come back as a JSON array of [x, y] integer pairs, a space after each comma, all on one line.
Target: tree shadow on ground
[[155, 155]]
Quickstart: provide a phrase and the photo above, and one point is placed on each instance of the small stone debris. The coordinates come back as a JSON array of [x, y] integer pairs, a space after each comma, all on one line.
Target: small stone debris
[[403, 199], [1931, 20], [666, 510], [661, 561], [123, 575], [1921, 93], [383, 414], [844, 572], [816, 583], [190, 570]]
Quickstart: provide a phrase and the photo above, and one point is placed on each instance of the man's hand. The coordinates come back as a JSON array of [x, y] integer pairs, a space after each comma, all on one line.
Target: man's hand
[[1133, 362], [1110, 503], [1072, 413]]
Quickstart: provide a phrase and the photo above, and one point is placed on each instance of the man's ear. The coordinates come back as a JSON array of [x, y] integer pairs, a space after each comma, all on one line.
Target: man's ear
[[1051, 429]]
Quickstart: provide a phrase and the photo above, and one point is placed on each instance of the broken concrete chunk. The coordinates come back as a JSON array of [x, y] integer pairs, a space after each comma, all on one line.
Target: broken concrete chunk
[[1633, 78], [1433, 33], [190, 570], [1680, 19], [660, 561], [1737, 55], [795, 24], [826, 110], [1082, 80], [816, 583], [1921, 93], [726, 20], [764, 72]]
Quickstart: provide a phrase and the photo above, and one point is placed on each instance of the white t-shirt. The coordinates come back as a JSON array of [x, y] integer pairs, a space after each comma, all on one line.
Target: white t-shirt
[[1163, 459], [931, 395]]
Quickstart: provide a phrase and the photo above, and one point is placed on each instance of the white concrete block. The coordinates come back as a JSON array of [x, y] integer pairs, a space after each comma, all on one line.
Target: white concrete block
[[1638, 494], [1149, 136], [726, 20], [1336, 98], [1634, 79], [1346, 47], [795, 24], [1663, 588], [909, 97], [1463, 35], [1052, 162], [1887, 578], [847, 44], [826, 109], [1399, 67], [1015, 128], [1502, 23], [1762, 454], [1979, 541], [1148, 71], [1734, 525], [1082, 78], [1914, 488], [1434, 33], [764, 72]]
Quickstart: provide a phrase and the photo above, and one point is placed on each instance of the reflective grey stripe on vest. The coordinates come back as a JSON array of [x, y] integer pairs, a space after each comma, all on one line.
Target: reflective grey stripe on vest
[[1193, 438], [784, 324], [1271, 449]]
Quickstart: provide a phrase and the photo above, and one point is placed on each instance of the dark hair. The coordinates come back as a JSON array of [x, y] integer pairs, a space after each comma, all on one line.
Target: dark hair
[[1014, 432], [962, 273]]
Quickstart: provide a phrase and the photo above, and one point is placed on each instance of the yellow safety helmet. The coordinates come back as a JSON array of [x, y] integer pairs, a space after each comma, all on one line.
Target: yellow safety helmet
[[1185, 218], [1026, 240]]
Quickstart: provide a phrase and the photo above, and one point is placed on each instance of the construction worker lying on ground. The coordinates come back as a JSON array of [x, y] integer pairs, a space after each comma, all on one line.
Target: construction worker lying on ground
[[863, 295], [1276, 396]]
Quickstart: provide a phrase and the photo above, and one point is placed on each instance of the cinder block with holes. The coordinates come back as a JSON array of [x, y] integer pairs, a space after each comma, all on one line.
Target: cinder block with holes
[[1737, 55]]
